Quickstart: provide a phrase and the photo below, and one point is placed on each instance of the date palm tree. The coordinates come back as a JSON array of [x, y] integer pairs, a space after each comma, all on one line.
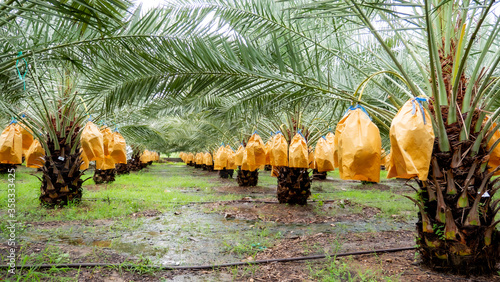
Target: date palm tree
[[291, 51]]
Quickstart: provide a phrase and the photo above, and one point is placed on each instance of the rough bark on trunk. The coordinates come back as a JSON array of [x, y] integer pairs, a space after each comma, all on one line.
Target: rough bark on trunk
[[104, 176], [294, 185], [247, 178]]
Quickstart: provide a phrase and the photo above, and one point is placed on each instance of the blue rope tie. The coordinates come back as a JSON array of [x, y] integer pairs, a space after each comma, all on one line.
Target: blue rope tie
[[419, 101], [352, 108], [22, 77]]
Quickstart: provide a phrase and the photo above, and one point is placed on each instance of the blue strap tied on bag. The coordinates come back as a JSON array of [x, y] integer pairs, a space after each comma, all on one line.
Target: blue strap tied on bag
[[300, 132], [419, 101], [352, 108]]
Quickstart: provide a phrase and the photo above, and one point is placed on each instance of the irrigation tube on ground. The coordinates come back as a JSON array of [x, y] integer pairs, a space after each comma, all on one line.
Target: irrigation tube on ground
[[197, 267]]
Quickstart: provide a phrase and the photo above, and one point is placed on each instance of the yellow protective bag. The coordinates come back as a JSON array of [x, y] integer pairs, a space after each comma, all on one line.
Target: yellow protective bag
[[182, 155], [190, 158], [220, 160], [119, 149], [145, 157], [238, 157], [298, 155], [245, 165], [494, 160], [85, 164], [359, 147], [256, 153], [107, 163], [330, 139], [198, 158], [11, 145], [412, 141], [207, 159], [231, 156], [27, 138], [336, 138], [280, 150], [35, 155], [324, 155], [107, 140], [92, 142]]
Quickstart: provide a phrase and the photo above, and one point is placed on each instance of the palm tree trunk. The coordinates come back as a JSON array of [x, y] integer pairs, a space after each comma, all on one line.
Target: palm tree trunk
[[246, 178], [61, 181], [104, 176], [122, 169], [319, 175], [226, 173], [294, 185], [456, 226], [134, 163], [5, 168]]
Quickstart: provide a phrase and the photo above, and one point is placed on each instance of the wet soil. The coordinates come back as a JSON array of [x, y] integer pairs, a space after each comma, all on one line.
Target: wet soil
[[234, 231]]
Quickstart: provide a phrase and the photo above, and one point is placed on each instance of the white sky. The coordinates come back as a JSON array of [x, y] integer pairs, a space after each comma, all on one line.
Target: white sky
[[148, 4]]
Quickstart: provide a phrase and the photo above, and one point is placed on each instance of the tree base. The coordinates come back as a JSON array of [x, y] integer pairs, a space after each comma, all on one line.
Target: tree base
[[294, 185], [198, 166], [5, 168], [104, 176], [268, 168], [247, 178], [208, 167], [319, 175], [134, 164], [122, 169], [61, 182], [226, 173]]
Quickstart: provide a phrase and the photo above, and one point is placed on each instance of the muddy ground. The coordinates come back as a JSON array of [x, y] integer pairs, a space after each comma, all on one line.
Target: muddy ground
[[253, 228]]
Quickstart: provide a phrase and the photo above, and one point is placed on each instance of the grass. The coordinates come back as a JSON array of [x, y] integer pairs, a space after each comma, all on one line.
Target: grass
[[343, 270], [164, 187]]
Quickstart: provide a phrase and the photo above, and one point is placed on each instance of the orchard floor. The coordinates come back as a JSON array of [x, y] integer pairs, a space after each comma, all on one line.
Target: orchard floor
[[175, 215]]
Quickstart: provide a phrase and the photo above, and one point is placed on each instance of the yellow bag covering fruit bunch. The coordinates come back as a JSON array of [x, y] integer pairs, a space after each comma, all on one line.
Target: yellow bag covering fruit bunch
[[145, 157], [256, 153], [238, 157], [190, 158], [92, 142], [27, 138], [108, 139], [312, 160], [359, 147], [182, 155], [107, 163], [494, 160], [324, 155], [11, 145], [35, 155], [268, 149], [220, 160], [280, 150], [298, 155], [119, 149], [330, 139], [336, 137], [85, 164], [207, 159], [245, 165], [412, 140], [231, 156], [198, 158]]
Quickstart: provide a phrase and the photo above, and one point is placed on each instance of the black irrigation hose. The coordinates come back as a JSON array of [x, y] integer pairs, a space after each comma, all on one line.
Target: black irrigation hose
[[196, 267]]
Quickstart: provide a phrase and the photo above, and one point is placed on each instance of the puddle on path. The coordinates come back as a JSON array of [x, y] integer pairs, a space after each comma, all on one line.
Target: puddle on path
[[194, 237]]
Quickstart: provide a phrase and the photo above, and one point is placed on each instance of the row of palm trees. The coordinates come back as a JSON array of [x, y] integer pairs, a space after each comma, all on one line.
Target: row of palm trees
[[199, 71]]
